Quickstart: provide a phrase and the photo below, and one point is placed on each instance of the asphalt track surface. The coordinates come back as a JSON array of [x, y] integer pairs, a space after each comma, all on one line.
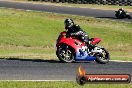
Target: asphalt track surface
[[34, 69], [63, 10], [29, 69]]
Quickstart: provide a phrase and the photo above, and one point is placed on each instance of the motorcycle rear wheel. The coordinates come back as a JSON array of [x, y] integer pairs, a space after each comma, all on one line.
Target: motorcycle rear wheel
[[65, 53], [102, 58]]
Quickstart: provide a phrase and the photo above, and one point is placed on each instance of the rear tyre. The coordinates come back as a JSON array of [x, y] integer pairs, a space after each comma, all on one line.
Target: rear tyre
[[65, 53], [102, 58], [116, 15]]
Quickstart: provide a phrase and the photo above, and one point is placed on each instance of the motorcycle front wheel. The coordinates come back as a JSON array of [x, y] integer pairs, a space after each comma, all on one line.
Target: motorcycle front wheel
[[102, 58], [65, 53], [129, 17]]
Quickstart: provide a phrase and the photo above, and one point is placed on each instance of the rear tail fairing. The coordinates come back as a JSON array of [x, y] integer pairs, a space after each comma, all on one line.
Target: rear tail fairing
[[95, 41]]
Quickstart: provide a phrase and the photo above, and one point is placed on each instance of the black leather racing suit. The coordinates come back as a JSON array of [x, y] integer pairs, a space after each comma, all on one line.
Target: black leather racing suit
[[78, 33]]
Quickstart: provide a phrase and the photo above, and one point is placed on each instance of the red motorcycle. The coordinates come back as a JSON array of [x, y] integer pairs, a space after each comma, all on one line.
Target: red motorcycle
[[71, 49]]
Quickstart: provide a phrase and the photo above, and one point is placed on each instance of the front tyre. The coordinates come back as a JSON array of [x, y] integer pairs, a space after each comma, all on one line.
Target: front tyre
[[102, 58], [65, 53], [129, 17]]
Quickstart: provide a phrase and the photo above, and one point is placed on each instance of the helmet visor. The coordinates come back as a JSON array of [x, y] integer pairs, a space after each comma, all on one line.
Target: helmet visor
[[67, 24]]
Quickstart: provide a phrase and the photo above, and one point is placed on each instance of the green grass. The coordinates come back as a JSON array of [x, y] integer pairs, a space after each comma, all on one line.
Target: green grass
[[14, 84], [30, 34]]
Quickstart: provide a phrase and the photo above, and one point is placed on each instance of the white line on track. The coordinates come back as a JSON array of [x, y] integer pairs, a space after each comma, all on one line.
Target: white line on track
[[119, 61]]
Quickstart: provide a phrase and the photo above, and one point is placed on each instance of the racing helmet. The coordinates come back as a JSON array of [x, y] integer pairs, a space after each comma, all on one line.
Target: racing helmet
[[121, 9], [68, 23]]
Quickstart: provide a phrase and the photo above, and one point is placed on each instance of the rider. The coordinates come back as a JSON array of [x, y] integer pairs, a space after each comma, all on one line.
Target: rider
[[122, 10], [75, 30]]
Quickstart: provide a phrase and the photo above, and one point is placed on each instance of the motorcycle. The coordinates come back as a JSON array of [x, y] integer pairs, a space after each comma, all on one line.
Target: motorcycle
[[72, 50], [121, 15]]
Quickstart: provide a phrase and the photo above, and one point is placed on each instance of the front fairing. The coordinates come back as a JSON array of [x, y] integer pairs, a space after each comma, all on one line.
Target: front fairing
[[58, 38], [61, 35]]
